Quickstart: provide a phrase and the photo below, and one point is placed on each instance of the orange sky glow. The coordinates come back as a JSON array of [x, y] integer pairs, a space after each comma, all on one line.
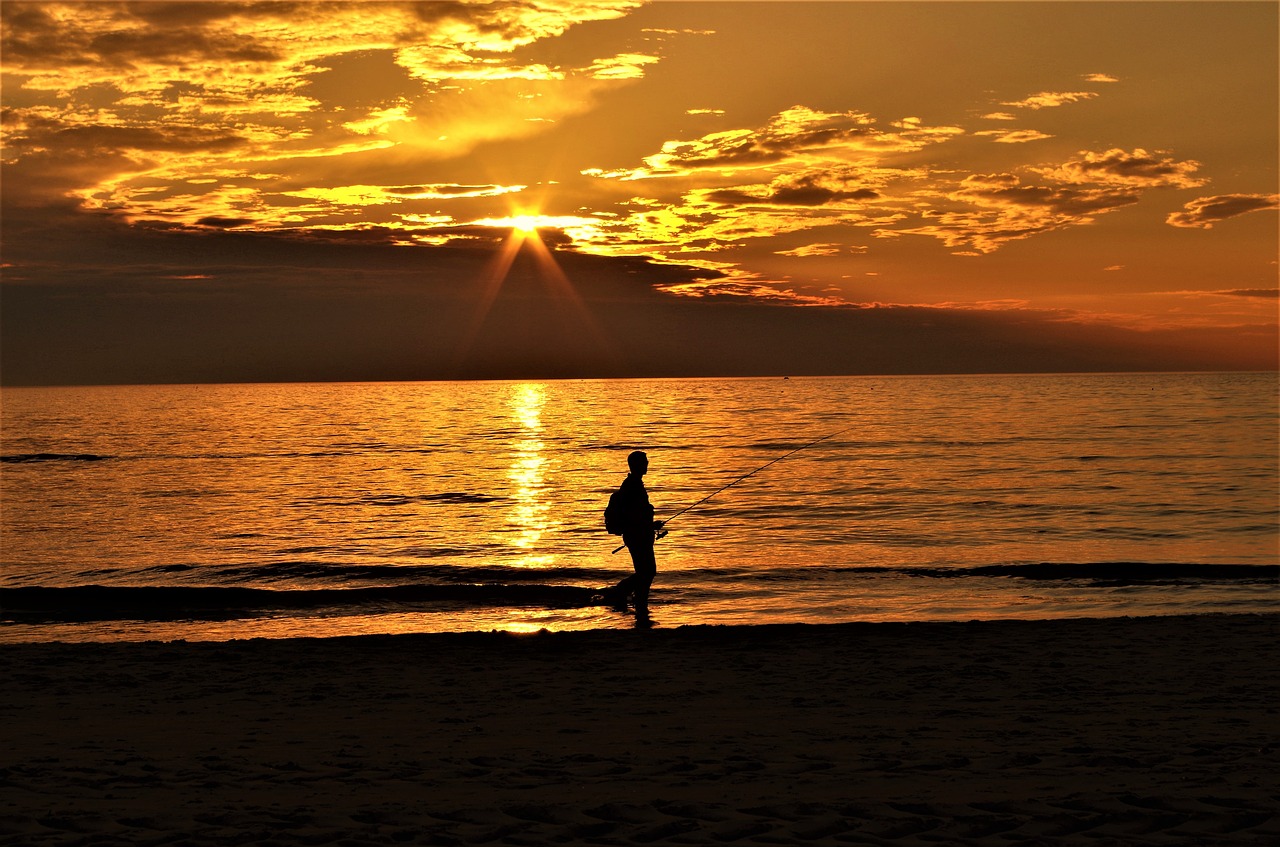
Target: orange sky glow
[[200, 191]]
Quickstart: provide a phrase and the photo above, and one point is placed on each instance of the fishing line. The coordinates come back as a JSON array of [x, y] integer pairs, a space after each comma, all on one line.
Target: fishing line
[[741, 478]]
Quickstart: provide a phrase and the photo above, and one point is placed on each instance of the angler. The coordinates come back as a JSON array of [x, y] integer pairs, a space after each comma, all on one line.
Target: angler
[[630, 515], [661, 526]]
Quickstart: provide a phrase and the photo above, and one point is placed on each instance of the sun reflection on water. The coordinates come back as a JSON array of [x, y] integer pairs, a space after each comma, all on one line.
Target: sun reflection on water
[[530, 515]]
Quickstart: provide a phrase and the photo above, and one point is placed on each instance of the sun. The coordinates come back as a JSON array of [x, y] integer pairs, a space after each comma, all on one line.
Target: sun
[[525, 224]]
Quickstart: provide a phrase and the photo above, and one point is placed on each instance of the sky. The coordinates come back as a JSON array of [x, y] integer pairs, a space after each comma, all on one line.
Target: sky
[[296, 191]]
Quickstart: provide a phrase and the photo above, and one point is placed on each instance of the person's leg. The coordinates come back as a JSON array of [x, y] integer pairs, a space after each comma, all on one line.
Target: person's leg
[[641, 549], [624, 587], [646, 566]]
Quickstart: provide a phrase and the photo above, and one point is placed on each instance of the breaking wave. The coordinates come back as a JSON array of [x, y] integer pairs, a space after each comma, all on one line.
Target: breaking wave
[[454, 587]]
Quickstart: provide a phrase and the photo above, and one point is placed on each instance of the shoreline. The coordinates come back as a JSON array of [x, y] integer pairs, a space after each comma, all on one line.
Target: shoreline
[[97, 614], [1152, 730]]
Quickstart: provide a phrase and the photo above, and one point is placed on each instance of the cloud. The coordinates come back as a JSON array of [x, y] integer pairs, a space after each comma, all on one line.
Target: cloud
[[124, 105], [31, 129], [1118, 167], [368, 311], [379, 121], [1050, 99], [803, 169], [993, 209], [223, 223], [1267, 293], [624, 66], [1014, 136], [811, 250], [1100, 78], [809, 169], [1007, 190], [138, 44], [1204, 212], [308, 120], [804, 189], [792, 132], [343, 304], [369, 195]]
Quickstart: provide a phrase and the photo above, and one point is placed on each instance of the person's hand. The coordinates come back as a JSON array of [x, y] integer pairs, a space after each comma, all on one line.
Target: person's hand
[[657, 526]]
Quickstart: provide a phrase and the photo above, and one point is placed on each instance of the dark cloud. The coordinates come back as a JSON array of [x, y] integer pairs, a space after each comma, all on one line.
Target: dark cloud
[[143, 32], [802, 191], [1204, 212], [127, 35], [27, 29], [1000, 208], [224, 223], [1008, 190], [157, 138], [186, 13], [162, 304], [433, 12]]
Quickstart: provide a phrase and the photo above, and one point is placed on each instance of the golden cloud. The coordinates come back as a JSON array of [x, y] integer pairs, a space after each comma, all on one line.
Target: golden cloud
[[812, 250], [1119, 167], [1050, 99], [806, 169], [1013, 136], [144, 46], [790, 134], [990, 210], [372, 195], [125, 105], [623, 66]]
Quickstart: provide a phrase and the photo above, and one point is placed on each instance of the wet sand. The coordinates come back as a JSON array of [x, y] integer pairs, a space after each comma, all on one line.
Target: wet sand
[[1122, 731]]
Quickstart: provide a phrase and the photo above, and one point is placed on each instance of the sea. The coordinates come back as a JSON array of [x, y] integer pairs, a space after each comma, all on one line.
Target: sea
[[218, 512]]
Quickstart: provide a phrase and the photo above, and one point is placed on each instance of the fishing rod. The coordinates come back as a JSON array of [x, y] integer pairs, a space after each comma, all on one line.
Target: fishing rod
[[663, 531]]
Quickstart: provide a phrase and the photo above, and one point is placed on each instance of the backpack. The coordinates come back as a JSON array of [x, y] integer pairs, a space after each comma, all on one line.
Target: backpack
[[613, 515]]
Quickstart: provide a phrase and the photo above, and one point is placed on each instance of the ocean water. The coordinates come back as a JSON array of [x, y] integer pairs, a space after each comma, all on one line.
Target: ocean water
[[239, 511]]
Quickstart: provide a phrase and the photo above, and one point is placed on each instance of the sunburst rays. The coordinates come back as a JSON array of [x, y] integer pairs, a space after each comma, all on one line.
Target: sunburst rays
[[524, 235]]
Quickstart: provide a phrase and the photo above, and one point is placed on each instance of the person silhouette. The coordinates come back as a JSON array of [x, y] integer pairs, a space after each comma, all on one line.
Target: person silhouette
[[639, 531]]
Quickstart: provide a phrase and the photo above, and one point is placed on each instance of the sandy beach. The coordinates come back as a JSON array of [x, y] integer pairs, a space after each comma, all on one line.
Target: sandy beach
[[1113, 731]]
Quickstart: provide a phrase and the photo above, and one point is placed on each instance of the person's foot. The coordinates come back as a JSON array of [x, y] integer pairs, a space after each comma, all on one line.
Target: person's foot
[[612, 597]]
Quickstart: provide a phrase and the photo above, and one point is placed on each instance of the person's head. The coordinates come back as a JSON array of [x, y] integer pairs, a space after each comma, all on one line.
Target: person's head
[[638, 462]]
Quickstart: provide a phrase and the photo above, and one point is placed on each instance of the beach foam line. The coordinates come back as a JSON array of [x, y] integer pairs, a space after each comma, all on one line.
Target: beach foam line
[[1129, 572], [423, 574], [1100, 573], [54, 457], [103, 602]]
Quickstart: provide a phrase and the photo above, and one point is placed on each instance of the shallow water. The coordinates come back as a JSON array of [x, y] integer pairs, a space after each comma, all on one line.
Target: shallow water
[[397, 499]]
